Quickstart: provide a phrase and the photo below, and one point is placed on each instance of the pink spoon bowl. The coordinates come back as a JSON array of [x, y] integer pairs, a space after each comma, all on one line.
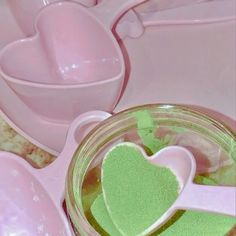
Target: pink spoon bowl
[[73, 63]]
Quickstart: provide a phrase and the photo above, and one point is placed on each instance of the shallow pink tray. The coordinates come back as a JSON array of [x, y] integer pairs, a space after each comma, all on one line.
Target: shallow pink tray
[[185, 55]]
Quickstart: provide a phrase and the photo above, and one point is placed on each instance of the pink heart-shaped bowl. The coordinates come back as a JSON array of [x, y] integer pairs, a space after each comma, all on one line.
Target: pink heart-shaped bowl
[[72, 64]]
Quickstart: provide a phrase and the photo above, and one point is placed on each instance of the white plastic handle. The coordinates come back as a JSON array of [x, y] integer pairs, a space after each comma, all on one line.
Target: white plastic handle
[[217, 199]]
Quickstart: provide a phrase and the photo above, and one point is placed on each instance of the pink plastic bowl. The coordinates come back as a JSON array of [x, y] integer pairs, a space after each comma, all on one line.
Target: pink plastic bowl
[[72, 64]]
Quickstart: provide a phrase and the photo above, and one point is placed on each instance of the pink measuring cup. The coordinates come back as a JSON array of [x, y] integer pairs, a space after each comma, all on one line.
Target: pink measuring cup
[[31, 199]]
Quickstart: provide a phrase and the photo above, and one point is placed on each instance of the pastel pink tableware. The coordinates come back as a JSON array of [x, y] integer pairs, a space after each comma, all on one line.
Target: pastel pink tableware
[[25, 11], [73, 63], [198, 78], [31, 199], [191, 196]]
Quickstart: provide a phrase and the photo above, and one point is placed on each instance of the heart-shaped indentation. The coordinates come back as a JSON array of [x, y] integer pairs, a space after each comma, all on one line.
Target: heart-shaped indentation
[[61, 71], [136, 193], [64, 50]]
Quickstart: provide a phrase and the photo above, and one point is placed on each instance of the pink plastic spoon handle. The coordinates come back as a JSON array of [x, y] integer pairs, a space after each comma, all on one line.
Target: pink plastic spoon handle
[[160, 5], [109, 11], [53, 177], [131, 25], [202, 13], [216, 199]]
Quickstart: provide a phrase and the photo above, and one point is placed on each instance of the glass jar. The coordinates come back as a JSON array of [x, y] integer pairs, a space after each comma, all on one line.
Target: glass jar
[[212, 143]]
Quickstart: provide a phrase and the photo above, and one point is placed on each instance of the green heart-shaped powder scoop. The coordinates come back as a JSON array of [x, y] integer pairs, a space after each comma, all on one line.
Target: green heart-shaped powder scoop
[[136, 193]]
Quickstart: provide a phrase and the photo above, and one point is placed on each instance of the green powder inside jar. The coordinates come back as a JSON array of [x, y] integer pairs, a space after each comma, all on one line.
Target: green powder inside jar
[[135, 192], [197, 224], [146, 128]]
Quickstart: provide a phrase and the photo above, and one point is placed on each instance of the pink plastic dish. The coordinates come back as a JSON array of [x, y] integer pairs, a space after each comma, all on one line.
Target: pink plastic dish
[[25, 11], [72, 65]]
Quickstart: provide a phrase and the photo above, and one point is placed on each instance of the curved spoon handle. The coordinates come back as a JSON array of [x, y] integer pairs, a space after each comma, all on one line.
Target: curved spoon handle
[[206, 12], [53, 177], [215, 199], [109, 11]]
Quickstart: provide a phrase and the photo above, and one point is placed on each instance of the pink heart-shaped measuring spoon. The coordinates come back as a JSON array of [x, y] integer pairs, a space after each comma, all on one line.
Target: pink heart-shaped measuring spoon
[[215, 199], [31, 199]]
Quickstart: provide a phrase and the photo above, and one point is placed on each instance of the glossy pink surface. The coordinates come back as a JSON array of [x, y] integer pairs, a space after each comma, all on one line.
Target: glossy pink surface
[[30, 199], [191, 63], [24, 203], [64, 51], [61, 72]]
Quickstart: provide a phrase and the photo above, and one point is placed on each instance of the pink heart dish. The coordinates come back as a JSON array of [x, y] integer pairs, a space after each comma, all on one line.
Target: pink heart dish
[[73, 63]]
